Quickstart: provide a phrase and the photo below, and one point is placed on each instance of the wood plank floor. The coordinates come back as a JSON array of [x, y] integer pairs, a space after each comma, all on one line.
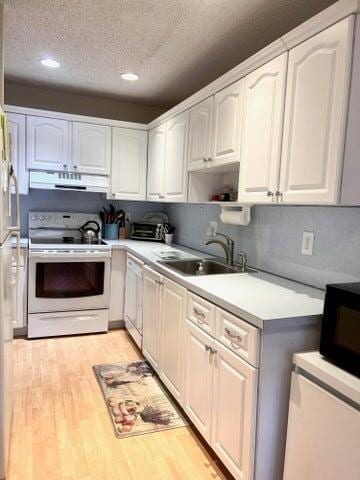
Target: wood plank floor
[[61, 429]]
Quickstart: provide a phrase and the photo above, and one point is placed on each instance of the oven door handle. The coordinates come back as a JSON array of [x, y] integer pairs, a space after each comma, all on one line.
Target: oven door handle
[[76, 255]]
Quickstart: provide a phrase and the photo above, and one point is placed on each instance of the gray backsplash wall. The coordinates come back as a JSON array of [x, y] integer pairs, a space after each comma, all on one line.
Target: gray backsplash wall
[[272, 240], [68, 201]]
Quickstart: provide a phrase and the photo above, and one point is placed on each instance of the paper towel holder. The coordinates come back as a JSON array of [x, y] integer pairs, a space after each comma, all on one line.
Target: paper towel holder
[[235, 214]]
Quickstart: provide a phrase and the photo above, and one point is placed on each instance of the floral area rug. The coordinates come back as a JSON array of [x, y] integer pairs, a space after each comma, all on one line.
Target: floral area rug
[[136, 400]]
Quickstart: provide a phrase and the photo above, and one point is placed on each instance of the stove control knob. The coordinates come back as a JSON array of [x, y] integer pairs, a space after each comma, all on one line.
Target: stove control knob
[[41, 218], [33, 218]]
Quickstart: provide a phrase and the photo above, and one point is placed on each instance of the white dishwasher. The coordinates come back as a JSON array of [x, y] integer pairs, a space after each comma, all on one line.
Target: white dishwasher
[[324, 422], [133, 298]]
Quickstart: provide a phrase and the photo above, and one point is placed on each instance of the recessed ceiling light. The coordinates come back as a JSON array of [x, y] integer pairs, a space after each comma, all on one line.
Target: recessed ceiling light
[[50, 62], [130, 76]]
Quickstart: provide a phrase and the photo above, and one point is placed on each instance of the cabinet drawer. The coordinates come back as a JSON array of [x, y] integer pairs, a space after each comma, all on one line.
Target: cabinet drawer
[[242, 338], [201, 312]]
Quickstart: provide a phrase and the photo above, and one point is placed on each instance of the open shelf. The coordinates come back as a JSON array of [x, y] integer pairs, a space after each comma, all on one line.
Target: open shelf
[[203, 184]]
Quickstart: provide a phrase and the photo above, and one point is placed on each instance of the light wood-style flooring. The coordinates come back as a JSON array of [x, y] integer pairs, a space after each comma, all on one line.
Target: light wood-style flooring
[[61, 429]]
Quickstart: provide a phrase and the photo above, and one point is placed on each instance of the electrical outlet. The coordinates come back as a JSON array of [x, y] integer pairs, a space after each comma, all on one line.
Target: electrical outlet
[[212, 229], [307, 247]]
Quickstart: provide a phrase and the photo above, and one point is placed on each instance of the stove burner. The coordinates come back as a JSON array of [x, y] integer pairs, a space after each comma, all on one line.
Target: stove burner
[[68, 239]]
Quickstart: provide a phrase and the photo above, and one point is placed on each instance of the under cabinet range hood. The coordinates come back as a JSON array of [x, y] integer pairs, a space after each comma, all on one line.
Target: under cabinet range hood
[[69, 181]]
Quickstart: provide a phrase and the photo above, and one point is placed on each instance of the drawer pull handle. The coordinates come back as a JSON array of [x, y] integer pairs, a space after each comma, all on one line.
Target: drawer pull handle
[[210, 349], [199, 313], [233, 336]]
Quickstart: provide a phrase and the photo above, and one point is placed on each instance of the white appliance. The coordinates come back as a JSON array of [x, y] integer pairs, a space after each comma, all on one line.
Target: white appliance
[[7, 283], [69, 181], [133, 298], [324, 421], [69, 280]]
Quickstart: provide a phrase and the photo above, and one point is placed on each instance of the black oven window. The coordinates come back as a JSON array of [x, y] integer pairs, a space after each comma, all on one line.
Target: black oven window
[[69, 279], [347, 329]]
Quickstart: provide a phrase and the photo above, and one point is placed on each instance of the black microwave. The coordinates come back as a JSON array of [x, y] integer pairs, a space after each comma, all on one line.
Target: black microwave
[[340, 331]]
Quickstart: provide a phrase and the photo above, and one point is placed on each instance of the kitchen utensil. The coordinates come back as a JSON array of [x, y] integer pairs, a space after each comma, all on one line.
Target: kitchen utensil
[[90, 234]]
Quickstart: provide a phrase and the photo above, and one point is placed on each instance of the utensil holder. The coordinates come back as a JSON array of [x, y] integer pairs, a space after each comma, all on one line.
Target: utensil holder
[[111, 231], [168, 237]]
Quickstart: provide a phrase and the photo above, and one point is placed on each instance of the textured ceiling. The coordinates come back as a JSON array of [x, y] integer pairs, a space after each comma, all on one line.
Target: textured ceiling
[[176, 46]]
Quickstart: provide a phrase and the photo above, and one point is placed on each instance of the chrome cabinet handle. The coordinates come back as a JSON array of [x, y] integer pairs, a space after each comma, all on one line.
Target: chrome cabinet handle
[[159, 282], [233, 336], [270, 193], [210, 349], [210, 159], [199, 313], [205, 160], [279, 195]]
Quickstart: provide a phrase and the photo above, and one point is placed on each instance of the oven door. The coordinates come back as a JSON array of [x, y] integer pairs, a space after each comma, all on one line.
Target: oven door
[[61, 281]]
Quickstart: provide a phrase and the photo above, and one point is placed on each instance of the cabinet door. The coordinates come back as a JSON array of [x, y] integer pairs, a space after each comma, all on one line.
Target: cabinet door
[[128, 164], [173, 323], [156, 163], [228, 112], [16, 129], [117, 285], [322, 434], [91, 152], [315, 116], [175, 178], [262, 132], [47, 143], [234, 412], [151, 316], [200, 132], [19, 298], [198, 378], [131, 295]]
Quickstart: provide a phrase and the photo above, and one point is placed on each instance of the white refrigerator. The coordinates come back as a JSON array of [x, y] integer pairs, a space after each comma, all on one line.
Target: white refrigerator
[[7, 283]]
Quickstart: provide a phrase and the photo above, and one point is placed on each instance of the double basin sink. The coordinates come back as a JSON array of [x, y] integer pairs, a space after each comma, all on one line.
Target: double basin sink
[[205, 266]]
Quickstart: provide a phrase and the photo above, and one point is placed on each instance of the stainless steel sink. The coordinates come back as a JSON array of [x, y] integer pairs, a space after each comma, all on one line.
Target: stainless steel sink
[[203, 267]]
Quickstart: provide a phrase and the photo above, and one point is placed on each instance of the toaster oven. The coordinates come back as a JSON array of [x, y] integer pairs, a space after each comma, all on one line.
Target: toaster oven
[[147, 231]]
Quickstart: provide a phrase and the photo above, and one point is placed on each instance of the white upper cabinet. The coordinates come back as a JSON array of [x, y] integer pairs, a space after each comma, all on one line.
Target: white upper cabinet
[[156, 163], [91, 148], [262, 132], [228, 110], [16, 130], [47, 143], [128, 164], [175, 178], [200, 134], [234, 392], [315, 116]]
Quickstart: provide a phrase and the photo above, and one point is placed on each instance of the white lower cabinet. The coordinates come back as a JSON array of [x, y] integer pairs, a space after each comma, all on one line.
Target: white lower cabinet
[[152, 282], [220, 399], [173, 312], [233, 418], [198, 378], [230, 377]]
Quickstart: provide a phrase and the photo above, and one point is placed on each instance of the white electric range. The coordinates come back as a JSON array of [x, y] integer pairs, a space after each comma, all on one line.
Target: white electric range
[[69, 280]]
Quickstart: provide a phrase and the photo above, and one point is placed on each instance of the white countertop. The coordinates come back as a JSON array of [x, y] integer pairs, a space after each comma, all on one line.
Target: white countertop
[[260, 298], [329, 374]]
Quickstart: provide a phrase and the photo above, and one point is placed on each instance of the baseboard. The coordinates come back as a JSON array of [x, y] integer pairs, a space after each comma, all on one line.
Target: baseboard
[[116, 324]]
